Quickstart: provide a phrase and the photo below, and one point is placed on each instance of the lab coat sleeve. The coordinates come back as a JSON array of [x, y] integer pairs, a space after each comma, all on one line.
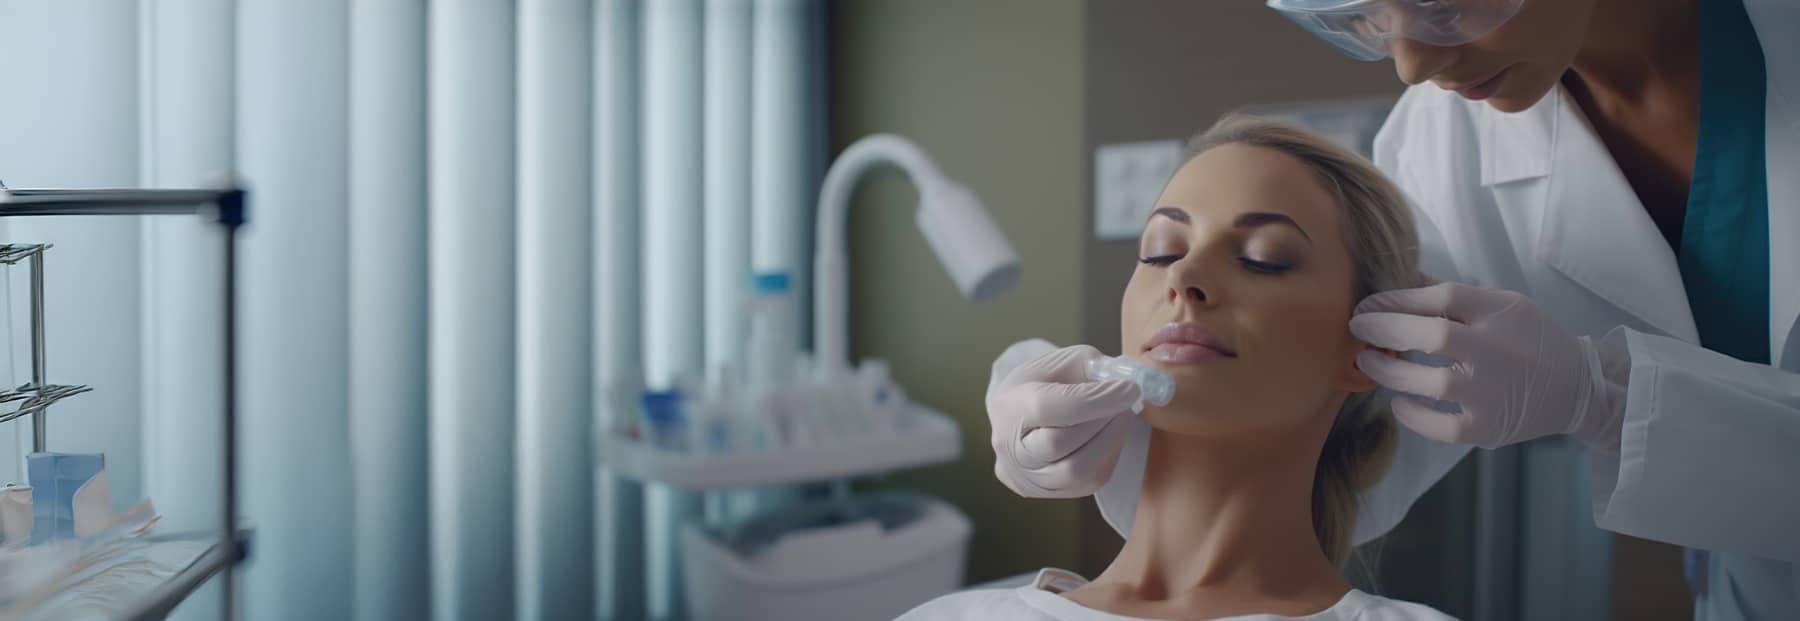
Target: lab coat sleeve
[[1708, 452]]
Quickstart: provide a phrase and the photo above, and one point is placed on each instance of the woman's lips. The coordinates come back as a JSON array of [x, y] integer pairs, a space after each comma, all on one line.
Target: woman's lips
[[1185, 353], [1186, 343]]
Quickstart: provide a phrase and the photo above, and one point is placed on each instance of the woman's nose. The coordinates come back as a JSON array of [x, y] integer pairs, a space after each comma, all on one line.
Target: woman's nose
[[1193, 294], [1186, 283], [1417, 62]]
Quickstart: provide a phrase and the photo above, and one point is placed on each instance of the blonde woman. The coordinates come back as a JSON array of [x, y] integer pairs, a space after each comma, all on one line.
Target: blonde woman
[[1257, 251]]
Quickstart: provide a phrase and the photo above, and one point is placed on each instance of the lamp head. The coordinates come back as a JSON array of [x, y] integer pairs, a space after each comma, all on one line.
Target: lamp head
[[966, 240]]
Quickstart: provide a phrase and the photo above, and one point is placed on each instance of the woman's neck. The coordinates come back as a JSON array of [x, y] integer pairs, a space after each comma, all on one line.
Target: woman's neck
[[1225, 524], [1638, 48]]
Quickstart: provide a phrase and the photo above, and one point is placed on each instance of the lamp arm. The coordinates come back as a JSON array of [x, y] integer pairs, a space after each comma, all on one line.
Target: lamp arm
[[830, 251]]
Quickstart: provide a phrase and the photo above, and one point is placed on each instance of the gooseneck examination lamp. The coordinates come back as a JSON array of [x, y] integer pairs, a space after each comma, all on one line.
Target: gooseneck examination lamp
[[955, 224]]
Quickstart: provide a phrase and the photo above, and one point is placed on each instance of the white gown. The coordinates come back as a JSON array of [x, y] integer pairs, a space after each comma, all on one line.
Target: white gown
[[1040, 601]]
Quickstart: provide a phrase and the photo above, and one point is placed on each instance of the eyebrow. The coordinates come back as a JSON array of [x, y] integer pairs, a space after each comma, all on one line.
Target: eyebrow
[[1172, 213], [1244, 220]]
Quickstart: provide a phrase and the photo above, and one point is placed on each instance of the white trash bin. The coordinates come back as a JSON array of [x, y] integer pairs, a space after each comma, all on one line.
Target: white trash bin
[[847, 571]]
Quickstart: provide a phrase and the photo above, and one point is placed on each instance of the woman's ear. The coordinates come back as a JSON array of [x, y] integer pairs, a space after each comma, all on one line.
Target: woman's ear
[[1354, 379]]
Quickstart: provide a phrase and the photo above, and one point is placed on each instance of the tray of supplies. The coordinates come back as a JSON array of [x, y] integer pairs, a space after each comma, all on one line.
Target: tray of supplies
[[919, 437]]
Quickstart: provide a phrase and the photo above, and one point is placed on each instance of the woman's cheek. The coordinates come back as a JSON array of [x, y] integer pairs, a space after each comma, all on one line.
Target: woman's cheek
[[1299, 322]]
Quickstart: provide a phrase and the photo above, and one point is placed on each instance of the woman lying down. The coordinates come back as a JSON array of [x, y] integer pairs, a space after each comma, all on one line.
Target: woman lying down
[[1257, 251]]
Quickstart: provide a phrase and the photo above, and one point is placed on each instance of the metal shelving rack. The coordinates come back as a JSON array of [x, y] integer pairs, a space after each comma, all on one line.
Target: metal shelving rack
[[223, 207], [38, 395]]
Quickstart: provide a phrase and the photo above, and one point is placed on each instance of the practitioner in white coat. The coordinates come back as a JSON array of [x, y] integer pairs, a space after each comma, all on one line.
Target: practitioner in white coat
[[1610, 190]]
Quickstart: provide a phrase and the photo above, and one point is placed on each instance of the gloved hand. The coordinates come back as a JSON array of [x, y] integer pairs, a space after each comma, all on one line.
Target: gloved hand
[[1517, 374], [1055, 434]]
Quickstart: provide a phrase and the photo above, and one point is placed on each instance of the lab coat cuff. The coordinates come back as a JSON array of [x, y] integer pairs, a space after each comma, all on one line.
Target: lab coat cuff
[[1704, 448], [1621, 440], [1597, 417]]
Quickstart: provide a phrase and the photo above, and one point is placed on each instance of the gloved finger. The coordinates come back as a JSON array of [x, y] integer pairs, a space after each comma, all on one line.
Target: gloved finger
[[1043, 445], [1418, 415], [1013, 477], [1440, 383], [1015, 356], [1084, 471], [1065, 405], [1063, 366], [1404, 332], [1454, 301]]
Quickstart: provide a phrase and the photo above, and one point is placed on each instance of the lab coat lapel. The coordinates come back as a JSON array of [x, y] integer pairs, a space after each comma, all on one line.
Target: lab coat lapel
[[1593, 229], [1775, 23]]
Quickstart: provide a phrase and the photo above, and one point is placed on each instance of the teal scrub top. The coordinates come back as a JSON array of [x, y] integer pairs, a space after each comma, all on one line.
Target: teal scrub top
[[1724, 253]]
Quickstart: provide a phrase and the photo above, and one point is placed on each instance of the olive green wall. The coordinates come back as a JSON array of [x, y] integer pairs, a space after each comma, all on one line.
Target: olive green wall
[[993, 91]]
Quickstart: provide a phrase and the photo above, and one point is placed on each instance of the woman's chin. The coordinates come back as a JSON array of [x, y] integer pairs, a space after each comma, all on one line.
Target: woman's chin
[[1218, 412], [1191, 419]]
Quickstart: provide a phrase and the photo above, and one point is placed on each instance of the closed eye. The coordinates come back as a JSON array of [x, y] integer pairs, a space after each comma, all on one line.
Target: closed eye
[[1160, 260], [1264, 267]]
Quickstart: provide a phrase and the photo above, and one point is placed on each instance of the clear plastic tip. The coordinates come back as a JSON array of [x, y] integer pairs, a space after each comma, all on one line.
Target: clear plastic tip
[[1156, 386]]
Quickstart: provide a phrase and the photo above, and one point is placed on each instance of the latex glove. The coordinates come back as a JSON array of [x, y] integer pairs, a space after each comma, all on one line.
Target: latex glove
[[1516, 374], [1055, 434]]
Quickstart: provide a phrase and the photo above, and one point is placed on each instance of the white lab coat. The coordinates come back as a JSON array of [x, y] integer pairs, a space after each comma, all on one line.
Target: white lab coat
[[1710, 446]]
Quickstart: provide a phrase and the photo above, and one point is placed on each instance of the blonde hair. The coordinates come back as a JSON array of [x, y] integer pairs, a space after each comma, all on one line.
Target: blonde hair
[[1384, 247]]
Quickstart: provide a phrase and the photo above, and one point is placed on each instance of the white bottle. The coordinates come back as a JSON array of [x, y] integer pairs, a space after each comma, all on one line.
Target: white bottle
[[769, 359], [881, 399], [801, 410], [619, 413], [773, 344], [812, 397], [715, 421]]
